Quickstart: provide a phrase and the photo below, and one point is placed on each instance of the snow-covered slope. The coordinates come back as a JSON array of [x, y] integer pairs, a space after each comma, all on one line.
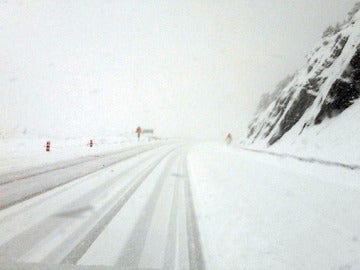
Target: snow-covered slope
[[317, 105]]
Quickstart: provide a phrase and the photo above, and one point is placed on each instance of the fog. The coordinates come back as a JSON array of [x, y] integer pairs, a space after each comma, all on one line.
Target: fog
[[184, 68]]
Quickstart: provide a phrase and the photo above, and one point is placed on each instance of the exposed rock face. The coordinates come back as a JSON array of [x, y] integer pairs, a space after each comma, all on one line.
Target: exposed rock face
[[323, 89]]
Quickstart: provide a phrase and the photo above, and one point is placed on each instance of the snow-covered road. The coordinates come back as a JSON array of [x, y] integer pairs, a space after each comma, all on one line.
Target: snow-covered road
[[171, 205], [129, 209]]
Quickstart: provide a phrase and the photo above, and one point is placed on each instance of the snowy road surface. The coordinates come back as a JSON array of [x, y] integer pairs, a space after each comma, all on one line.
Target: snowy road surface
[[130, 209], [179, 206]]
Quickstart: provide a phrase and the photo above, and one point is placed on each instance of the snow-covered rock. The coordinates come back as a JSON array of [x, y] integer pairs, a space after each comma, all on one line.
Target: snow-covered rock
[[305, 107]]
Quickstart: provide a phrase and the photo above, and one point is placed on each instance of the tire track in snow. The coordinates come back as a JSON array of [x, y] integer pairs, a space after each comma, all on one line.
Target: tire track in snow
[[32, 172], [22, 243], [172, 241], [131, 253], [177, 253], [180, 241], [22, 175], [80, 249], [39, 189], [196, 258]]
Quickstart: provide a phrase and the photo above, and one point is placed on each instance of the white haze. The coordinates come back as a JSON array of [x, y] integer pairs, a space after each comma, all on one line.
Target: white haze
[[185, 68]]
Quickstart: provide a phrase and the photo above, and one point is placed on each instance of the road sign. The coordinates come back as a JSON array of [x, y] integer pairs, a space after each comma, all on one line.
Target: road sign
[[148, 131]]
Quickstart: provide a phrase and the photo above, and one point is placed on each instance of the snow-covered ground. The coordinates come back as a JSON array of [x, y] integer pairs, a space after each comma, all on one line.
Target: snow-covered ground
[[335, 140], [257, 211], [23, 151], [179, 205]]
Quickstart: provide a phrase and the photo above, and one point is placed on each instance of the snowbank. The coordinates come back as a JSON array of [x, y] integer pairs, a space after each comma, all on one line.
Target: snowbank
[[336, 140], [258, 211]]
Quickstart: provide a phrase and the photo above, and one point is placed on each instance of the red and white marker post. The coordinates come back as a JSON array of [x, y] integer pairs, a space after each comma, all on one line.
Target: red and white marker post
[[48, 146]]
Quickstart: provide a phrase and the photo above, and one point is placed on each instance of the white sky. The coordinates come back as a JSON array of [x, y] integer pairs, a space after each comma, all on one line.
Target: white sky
[[184, 68]]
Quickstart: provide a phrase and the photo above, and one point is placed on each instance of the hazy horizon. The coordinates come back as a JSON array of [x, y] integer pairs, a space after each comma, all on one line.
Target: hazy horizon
[[183, 68]]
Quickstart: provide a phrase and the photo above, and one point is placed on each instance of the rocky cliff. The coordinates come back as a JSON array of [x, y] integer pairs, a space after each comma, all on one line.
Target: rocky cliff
[[323, 89]]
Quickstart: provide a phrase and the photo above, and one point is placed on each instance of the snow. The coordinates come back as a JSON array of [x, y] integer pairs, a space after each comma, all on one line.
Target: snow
[[326, 140], [263, 212], [167, 204], [252, 211], [48, 204], [26, 151], [335, 140], [121, 225], [130, 208]]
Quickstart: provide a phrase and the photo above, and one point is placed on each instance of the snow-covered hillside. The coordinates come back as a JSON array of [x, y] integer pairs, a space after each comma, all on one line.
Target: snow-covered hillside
[[315, 110]]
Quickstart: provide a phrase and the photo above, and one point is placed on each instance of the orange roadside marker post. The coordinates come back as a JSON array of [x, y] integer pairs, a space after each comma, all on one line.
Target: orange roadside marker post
[[138, 131], [228, 139]]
